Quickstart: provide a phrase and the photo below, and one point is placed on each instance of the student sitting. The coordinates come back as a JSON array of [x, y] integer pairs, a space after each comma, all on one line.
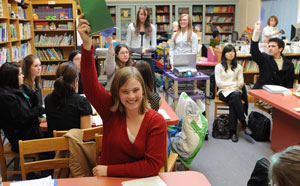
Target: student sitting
[[274, 68], [134, 137], [230, 81], [75, 57], [31, 67], [145, 70], [65, 108], [18, 117], [285, 167], [115, 60]]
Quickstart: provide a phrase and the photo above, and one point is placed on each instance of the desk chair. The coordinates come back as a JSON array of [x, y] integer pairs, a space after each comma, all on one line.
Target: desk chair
[[88, 134], [6, 152], [42, 145], [220, 105]]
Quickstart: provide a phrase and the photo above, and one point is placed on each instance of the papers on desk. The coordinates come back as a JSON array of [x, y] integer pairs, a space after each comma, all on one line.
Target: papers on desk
[[150, 181], [48, 181], [164, 114], [275, 89]]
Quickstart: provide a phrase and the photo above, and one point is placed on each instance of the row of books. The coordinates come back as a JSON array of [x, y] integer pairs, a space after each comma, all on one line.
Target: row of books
[[49, 54], [197, 9], [25, 49], [163, 28], [218, 19], [3, 32], [4, 55], [49, 69], [162, 18], [162, 9], [1, 9], [197, 18], [210, 28], [248, 65], [13, 31], [220, 9], [47, 84], [25, 30], [44, 11], [62, 40], [296, 65], [16, 53]]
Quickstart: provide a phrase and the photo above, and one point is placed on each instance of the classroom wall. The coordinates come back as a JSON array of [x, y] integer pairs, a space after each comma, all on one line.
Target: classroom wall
[[286, 12], [248, 14]]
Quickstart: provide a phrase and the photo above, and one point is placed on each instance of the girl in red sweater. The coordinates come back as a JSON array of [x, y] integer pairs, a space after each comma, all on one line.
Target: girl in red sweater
[[134, 136]]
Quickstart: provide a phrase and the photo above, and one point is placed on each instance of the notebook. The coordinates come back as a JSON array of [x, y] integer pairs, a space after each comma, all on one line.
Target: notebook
[[275, 89]]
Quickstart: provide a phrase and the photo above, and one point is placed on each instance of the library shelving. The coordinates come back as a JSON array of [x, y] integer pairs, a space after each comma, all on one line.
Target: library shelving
[[220, 18], [162, 20], [54, 36], [197, 17], [16, 32]]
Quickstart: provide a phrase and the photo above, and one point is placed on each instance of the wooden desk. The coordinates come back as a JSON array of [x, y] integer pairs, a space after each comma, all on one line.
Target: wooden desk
[[190, 178], [286, 125], [174, 118]]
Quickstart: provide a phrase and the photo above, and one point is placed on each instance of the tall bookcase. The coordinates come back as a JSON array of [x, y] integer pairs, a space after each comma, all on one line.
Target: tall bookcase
[[221, 18], [53, 44], [16, 32]]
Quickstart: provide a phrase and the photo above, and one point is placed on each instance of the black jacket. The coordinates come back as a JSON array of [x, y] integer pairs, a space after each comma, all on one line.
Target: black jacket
[[268, 69], [17, 118], [35, 96]]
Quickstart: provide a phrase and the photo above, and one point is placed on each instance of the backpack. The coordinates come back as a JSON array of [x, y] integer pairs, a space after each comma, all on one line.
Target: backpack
[[260, 126], [259, 176], [221, 129]]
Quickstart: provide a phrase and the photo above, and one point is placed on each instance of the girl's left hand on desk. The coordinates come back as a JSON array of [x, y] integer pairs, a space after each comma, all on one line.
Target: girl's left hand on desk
[[100, 170]]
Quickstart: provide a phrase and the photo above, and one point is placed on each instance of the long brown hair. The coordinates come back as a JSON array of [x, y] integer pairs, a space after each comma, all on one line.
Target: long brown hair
[[147, 24], [26, 64], [121, 77], [64, 85], [118, 61], [285, 167], [190, 30]]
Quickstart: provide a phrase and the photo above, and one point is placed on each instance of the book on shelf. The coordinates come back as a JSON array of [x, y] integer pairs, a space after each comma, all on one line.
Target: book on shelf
[[3, 32], [197, 9], [21, 13], [13, 31], [25, 49], [16, 53], [1, 9], [4, 55]]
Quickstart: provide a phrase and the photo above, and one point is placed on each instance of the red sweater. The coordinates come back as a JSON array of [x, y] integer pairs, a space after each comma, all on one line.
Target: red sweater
[[146, 155]]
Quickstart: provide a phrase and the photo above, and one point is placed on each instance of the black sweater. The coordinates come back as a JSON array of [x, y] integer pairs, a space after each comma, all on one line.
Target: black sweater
[[18, 119], [268, 69]]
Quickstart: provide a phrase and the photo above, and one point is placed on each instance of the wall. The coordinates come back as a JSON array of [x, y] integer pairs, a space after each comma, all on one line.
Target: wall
[[248, 14], [286, 12]]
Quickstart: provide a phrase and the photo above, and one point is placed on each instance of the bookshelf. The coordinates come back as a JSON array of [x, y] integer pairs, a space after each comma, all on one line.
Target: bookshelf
[[163, 20], [197, 17], [221, 18], [53, 44], [16, 38]]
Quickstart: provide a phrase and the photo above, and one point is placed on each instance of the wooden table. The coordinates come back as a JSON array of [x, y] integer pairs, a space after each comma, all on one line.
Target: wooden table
[[190, 178], [286, 121]]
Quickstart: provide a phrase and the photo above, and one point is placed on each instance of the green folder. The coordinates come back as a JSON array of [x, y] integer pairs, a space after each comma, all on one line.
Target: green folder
[[97, 13]]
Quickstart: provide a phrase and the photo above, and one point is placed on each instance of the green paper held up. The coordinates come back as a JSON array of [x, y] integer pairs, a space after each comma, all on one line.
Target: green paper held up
[[97, 13]]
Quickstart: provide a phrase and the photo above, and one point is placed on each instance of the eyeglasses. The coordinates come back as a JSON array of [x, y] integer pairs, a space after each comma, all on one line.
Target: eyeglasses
[[123, 53]]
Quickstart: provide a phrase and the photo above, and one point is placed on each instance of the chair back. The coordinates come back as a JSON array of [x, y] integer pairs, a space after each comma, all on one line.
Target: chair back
[[98, 139], [42, 145], [88, 134]]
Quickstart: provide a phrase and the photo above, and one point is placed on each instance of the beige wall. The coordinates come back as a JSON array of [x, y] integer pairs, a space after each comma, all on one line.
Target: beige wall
[[248, 14]]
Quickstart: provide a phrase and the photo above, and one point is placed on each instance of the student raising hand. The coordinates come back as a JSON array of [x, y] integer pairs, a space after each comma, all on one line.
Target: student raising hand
[[84, 29], [257, 26]]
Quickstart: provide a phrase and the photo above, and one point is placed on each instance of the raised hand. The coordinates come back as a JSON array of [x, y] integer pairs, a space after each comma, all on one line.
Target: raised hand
[[84, 29], [257, 26]]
